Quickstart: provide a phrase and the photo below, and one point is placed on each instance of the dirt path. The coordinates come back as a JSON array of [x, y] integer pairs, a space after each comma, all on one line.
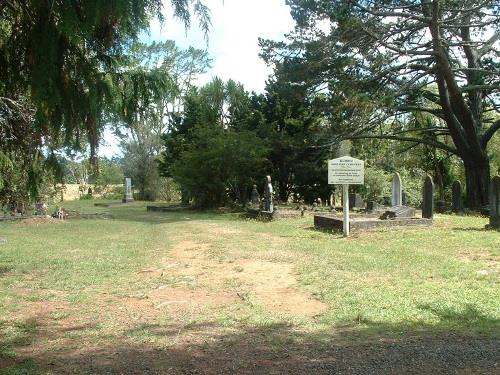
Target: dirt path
[[272, 285]]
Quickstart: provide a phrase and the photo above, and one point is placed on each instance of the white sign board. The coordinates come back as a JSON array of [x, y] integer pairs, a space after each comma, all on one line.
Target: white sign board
[[346, 171]]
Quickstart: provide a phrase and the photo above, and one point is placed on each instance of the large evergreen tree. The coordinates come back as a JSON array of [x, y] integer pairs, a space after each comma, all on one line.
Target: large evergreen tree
[[382, 60], [60, 66]]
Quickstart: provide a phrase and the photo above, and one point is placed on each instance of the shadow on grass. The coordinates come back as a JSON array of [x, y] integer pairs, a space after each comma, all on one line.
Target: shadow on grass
[[360, 347]]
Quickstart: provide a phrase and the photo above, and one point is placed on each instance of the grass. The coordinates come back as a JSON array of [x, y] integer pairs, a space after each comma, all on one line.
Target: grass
[[66, 286]]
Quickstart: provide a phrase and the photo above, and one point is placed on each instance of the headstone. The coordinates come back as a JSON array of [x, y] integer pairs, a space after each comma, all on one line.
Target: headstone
[[456, 196], [398, 212], [268, 195], [255, 197], [356, 201], [127, 190], [397, 192], [440, 206], [428, 199], [374, 206], [404, 198], [387, 201], [41, 208], [495, 202]]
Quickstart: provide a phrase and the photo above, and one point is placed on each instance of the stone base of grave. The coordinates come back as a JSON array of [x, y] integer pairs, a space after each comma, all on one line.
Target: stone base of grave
[[167, 208], [127, 200], [398, 212], [254, 213], [108, 204], [357, 224]]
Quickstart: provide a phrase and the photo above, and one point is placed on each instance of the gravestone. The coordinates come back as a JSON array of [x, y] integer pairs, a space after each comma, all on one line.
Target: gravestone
[[255, 197], [404, 198], [356, 201], [397, 191], [428, 199], [456, 196], [495, 202], [268, 195], [41, 208], [374, 206], [127, 190]]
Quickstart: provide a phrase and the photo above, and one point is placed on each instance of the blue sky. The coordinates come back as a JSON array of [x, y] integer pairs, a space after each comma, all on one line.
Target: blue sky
[[232, 45]]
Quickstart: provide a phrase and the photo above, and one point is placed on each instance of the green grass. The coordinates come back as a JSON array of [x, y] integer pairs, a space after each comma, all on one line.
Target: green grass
[[379, 284]]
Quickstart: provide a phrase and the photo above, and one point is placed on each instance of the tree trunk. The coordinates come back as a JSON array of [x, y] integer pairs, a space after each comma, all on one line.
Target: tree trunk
[[477, 176]]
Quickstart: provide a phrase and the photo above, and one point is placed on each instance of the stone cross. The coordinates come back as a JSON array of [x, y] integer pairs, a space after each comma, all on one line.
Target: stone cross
[[127, 190], [397, 191], [495, 202], [456, 196], [268, 195], [255, 197], [428, 201]]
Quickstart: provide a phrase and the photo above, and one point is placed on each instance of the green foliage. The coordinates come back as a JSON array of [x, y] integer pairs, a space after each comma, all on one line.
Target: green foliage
[[213, 138], [377, 184], [110, 173], [219, 164], [148, 105], [494, 151], [62, 79], [287, 118]]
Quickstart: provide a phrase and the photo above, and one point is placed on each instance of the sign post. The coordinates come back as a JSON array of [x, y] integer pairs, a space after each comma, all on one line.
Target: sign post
[[346, 171], [345, 209]]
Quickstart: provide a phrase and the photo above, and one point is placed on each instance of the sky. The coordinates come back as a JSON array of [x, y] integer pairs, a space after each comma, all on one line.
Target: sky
[[232, 43]]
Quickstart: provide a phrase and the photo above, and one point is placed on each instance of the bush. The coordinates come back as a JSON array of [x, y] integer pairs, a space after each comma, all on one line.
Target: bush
[[378, 183]]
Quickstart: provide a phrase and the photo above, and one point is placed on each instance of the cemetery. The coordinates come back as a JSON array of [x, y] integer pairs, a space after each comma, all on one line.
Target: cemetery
[[249, 187]]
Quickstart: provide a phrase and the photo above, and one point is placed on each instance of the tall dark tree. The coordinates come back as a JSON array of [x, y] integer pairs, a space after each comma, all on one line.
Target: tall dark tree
[[61, 54], [292, 126], [381, 60], [210, 149], [59, 64]]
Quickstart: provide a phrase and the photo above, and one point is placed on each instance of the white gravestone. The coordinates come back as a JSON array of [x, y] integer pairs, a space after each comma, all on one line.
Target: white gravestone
[[397, 190]]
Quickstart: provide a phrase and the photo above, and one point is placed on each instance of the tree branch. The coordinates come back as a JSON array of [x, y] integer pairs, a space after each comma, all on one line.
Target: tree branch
[[490, 132], [429, 142]]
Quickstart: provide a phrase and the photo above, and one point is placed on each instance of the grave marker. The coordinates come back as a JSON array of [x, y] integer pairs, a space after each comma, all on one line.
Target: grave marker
[[428, 201], [397, 191], [127, 190], [255, 197], [495, 202], [268, 195], [456, 196]]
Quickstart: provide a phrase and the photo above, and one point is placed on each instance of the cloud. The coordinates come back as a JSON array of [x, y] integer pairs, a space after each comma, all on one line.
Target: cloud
[[233, 38]]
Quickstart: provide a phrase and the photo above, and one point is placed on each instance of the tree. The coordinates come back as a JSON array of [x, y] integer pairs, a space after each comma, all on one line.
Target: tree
[[60, 67], [382, 60], [292, 124], [158, 75], [211, 149], [63, 55]]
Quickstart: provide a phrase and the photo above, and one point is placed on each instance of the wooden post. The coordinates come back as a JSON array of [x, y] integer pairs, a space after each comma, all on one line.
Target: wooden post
[[345, 200]]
